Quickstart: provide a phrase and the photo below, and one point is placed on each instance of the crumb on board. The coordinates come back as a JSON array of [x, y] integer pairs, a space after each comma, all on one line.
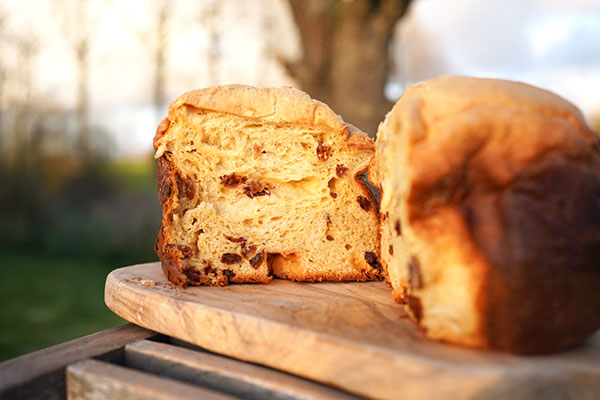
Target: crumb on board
[[143, 282]]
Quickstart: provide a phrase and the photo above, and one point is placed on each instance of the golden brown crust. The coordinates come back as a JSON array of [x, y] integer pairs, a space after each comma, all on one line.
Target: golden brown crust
[[171, 263], [512, 173], [282, 105], [358, 139], [160, 131], [172, 256], [544, 270]]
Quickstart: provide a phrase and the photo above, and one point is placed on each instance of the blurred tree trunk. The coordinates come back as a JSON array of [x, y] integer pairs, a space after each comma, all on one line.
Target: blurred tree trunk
[[25, 142], [161, 47], [155, 39], [79, 20], [77, 27], [209, 17], [3, 76], [346, 55], [82, 51]]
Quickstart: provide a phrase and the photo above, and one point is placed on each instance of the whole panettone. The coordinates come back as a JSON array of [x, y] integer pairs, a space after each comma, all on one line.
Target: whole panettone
[[490, 214]]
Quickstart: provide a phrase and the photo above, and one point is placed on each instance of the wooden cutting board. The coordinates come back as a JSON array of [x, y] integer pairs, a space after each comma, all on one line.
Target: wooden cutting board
[[348, 335]]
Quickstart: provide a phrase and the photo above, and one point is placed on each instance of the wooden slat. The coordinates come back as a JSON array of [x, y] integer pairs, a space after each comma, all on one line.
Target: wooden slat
[[41, 374], [224, 374], [95, 380]]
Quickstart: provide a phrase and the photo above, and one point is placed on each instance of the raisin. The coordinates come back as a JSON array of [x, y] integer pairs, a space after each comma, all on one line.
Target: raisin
[[235, 240], [414, 273], [192, 274], [255, 189], [231, 258], [186, 251], [341, 171], [372, 260], [364, 203], [323, 151], [333, 194], [164, 190], [229, 274], [257, 260], [330, 238], [209, 269], [363, 179], [248, 251], [391, 250], [398, 228], [232, 180], [414, 303], [165, 183], [185, 186]]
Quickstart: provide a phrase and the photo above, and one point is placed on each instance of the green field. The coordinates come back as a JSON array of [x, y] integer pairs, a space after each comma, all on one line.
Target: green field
[[48, 300]]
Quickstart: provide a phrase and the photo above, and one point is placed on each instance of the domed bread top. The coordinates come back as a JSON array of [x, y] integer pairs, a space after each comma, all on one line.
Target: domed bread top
[[277, 105]]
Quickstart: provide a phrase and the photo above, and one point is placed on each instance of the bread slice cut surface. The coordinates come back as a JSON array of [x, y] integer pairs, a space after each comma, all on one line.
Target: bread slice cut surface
[[261, 182]]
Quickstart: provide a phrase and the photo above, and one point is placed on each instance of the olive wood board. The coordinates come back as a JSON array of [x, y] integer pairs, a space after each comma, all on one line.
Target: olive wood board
[[348, 335]]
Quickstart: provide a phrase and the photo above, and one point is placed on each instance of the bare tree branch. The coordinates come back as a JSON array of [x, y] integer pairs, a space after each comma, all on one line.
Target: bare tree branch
[[156, 40], [163, 15]]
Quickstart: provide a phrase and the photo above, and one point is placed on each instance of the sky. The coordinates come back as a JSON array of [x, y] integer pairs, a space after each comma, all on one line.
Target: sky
[[554, 44], [121, 69]]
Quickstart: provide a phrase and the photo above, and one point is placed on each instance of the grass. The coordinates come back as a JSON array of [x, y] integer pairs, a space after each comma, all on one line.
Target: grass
[[48, 300]]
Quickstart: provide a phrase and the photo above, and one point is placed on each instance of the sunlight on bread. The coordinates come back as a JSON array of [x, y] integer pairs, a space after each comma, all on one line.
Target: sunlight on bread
[[262, 182]]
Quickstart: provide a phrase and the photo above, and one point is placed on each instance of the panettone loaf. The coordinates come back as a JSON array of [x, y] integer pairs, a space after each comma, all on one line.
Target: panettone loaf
[[255, 182], [490, 212]]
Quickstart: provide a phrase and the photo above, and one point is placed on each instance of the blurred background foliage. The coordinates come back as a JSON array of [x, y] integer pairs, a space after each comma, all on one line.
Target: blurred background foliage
[[73, 205], [67, 218], [84, 83]]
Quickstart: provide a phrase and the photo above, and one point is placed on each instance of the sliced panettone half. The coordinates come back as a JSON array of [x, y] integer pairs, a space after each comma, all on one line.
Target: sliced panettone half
[[255, 182]]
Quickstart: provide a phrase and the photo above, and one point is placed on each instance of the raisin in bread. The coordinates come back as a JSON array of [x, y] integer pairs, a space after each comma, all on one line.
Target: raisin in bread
[[255, 182], [490, 211]]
